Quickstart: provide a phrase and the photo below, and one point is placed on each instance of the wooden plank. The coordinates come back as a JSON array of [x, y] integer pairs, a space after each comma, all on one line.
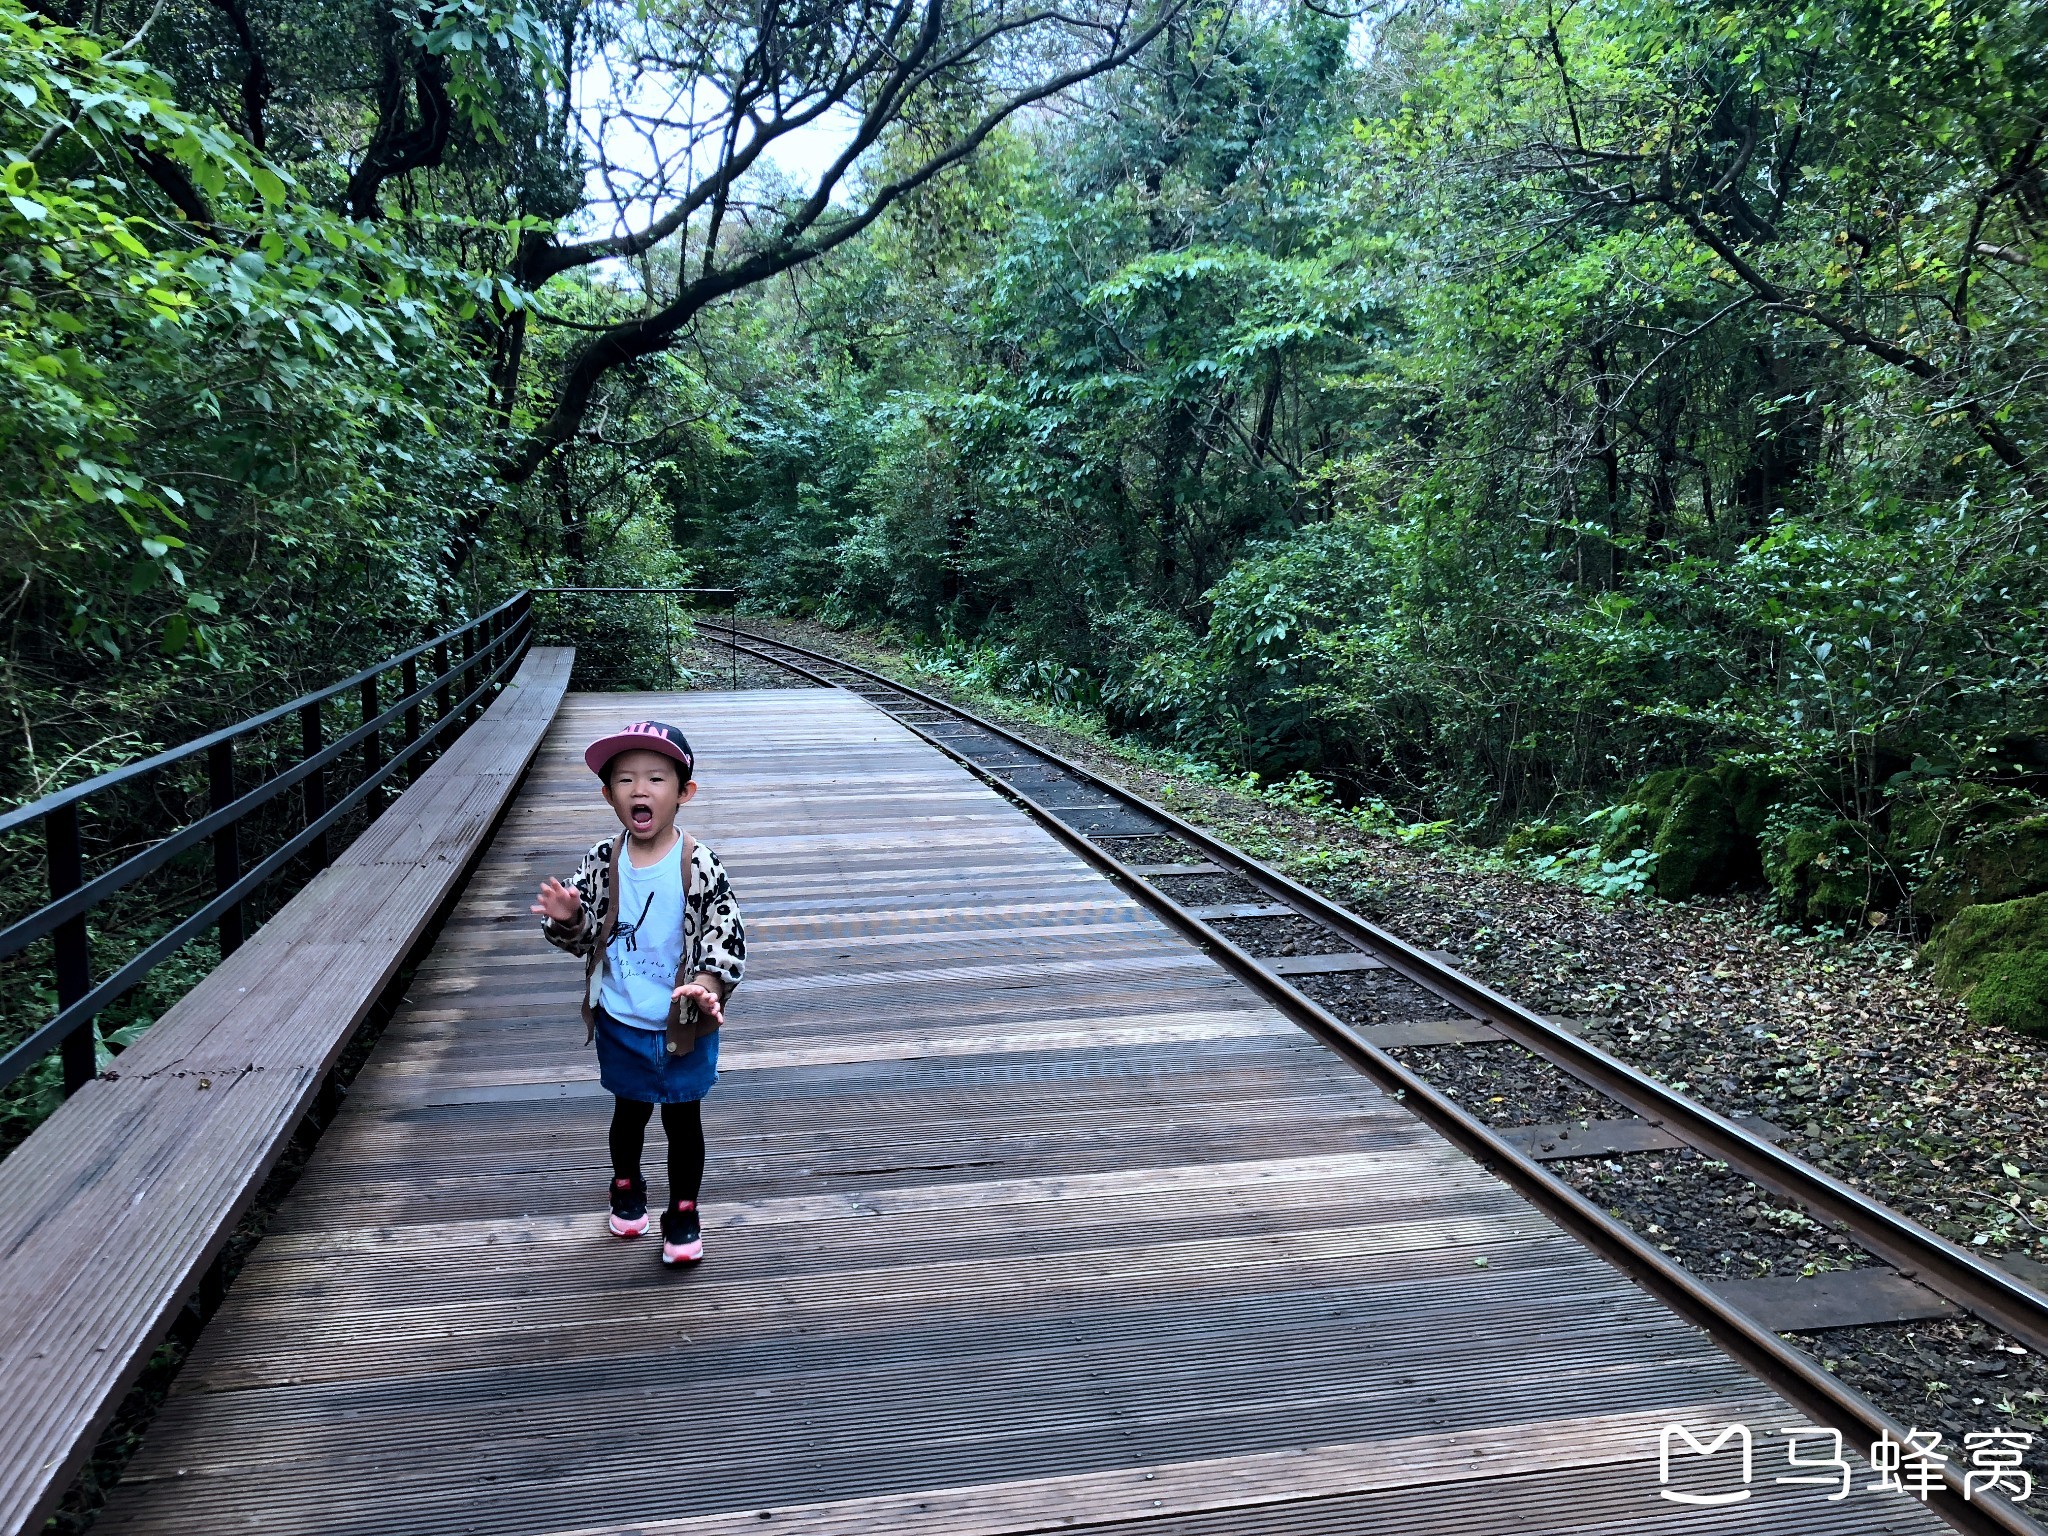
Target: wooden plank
[[1451, 1030], [1255, 1481], [1588, 1138], [1322, 965], [113, 1207], [1022, 1215], [1223, 911], [1845, 1298]]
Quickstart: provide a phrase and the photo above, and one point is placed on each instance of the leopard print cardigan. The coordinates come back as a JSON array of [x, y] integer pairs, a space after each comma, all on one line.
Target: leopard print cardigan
[[714, 938]]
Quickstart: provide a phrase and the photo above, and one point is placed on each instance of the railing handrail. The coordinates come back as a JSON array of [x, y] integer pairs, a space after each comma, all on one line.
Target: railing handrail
[[80, 1012], [647, 591], [35, 810], [18, 936], [494, 643], [490, 647]]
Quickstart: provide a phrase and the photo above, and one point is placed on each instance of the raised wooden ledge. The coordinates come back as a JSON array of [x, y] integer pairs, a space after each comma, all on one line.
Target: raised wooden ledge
[[112, 1210]]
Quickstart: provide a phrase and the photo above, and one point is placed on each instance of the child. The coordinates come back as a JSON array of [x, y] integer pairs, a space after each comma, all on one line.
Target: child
[[658, 965]]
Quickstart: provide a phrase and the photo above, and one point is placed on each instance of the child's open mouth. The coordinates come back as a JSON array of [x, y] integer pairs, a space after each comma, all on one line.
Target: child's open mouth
[[642, 817]]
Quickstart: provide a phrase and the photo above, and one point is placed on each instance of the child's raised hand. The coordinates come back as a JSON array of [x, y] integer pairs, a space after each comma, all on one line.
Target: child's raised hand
[[558, 903], [706, 999]]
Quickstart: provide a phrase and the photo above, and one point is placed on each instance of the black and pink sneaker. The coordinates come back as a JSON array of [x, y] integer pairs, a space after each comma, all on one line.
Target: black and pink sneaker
[[682, 1239], [629, 1206]]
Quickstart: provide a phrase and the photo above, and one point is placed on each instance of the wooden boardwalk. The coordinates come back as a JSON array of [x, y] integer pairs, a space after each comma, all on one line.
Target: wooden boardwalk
[[1021, 1216]]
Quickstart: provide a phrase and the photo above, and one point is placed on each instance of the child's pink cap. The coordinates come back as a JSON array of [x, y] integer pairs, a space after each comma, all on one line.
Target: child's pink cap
[[641, 736]]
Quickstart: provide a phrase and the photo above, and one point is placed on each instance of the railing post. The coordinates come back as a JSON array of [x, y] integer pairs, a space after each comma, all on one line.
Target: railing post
[[470, 672], [373, 744], [315, 783], [442, 703], [66, 853], [227, 850], [409, 680]]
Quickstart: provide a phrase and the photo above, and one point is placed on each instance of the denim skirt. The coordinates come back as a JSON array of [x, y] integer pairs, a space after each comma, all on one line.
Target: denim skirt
[[635, 1064]]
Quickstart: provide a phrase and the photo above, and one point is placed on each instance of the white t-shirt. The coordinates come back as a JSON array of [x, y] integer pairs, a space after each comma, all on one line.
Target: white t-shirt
[[647, 946]]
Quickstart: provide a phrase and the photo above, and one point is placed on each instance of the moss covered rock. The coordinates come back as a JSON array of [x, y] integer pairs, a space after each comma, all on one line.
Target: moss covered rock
[[1656, 792], [1996, 955], [2000, 863], [1752, 790], [1636, 822], [1698, 842], [1941, 816], [1544, 837], [1822, 872], [2013, 993]]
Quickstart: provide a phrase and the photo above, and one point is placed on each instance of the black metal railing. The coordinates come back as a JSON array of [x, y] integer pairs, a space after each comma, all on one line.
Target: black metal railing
[[466, 663]]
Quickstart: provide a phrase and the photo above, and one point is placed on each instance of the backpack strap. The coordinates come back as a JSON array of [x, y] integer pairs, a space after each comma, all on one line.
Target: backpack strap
[[682, 1019]]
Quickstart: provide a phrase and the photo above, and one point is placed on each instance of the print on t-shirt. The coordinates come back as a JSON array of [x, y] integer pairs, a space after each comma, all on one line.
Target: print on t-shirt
[[623, 934], [645, 953]]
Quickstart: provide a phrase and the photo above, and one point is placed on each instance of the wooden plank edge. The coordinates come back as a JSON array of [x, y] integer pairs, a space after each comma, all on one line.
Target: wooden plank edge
[[45, 1472]]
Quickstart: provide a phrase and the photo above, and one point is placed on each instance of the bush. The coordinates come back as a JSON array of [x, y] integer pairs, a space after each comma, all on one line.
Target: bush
[[1996, 955]]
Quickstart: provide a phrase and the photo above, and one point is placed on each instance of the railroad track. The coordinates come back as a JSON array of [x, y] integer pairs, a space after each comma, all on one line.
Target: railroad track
[[1097, 818]]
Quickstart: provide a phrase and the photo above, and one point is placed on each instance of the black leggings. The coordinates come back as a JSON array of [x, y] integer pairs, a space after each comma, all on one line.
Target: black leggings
[[684, 1127]]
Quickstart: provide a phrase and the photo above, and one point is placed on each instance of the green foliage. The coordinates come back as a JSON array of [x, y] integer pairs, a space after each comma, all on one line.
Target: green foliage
[[1822, 870], [239, 427], [144, 356], [1478, 421], [1629, 874]]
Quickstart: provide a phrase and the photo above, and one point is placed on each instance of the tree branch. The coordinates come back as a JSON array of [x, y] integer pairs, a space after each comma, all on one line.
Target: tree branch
[[256, 71], [805, 232], [399, 146], [2008, 452]]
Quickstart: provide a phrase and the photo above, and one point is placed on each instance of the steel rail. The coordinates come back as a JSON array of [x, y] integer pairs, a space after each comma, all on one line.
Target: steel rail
[[1791, 1372]]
